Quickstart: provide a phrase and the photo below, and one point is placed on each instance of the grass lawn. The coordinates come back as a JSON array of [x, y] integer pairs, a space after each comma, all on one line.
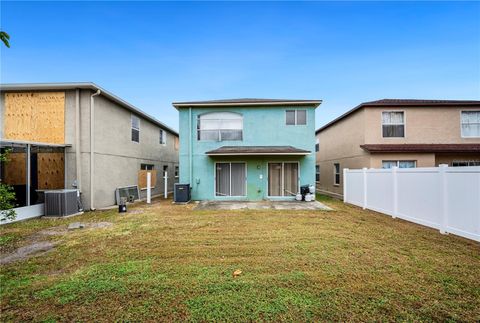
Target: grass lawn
[[166, 262]]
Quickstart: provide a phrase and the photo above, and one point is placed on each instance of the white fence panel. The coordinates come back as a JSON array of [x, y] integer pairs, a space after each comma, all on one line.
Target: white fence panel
[[444, 198], [419, 196], [26, 212], [380, 191], [355, 185]]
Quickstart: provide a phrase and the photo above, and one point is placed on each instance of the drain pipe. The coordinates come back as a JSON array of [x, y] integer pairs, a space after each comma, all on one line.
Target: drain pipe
[[92, 147], [190, 146], [78, 160]]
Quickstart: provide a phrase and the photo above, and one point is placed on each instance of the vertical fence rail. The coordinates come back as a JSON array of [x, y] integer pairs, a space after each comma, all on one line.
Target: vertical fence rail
[[444, 198]]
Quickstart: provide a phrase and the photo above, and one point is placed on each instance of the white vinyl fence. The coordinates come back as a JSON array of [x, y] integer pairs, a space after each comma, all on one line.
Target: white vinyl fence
[[444, 198]]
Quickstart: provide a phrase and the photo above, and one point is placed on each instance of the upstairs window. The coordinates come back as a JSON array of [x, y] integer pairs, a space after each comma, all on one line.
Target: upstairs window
[[135, 129], [163, 137], [470, 124], [393, 124], [317, 173], [220, 126], [296, 117], [317, 145]]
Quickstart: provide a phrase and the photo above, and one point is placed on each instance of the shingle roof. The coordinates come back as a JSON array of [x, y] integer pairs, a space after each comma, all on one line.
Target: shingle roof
[[403, 103], [411, 148], [247, 102], [257, 150]]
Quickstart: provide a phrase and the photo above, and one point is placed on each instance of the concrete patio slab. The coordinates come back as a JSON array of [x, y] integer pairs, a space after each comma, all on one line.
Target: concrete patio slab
[[261, 205]]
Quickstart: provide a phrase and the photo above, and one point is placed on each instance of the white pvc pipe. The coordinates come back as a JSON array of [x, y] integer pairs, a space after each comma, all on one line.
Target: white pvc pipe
[[78, 158], [149, 187], [165, 181]]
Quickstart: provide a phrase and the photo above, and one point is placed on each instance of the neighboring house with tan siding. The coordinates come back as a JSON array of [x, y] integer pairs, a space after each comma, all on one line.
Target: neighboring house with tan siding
[[403, 133]]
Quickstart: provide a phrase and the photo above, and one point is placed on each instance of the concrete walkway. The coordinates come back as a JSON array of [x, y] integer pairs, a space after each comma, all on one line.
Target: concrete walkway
[[261, 205]]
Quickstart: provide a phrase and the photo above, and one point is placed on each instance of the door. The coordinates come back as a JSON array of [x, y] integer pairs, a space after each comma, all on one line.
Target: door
[[282, 179], [230, 179]]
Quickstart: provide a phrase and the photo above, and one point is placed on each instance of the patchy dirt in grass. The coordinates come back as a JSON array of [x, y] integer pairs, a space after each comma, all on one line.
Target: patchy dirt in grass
[[39, 245]]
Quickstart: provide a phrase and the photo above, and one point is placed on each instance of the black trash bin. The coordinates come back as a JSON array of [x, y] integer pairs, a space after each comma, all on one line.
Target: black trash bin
[[181, 193]]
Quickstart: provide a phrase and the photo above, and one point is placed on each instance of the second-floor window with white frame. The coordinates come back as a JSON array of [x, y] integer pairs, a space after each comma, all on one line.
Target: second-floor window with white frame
[[295, 117], [470, 124], [220, 126], [393, 124], [163, 137], [135, 128]]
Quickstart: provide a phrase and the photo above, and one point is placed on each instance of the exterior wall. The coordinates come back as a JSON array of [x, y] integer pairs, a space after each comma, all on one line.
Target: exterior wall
[[117, 159], [340, 143], [423, 125], [261, 127]]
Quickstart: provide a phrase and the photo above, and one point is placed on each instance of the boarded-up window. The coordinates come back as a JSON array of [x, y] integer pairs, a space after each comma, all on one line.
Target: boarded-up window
[[142, 178], [35, 116]]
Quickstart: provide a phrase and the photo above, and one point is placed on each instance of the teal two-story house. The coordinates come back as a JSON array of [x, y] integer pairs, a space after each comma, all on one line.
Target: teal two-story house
[[247, 149]]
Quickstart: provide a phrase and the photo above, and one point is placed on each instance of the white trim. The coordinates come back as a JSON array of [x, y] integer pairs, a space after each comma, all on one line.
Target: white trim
[[33, 143], [215, 179], [404, 124], [283, 184], [461, 132], [295, 119], [335, 174], [133, 128]]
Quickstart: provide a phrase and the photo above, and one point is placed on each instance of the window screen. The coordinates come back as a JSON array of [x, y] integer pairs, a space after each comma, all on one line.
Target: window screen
[[163, 137], [301, 117], [470, 123], [230, 179], [336, 168], [290, 117], [295, 117]]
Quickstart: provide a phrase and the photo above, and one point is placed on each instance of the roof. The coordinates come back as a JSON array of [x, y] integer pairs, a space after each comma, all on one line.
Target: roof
[[257, 150], [247, 102], [413, 148], [84, 85], [404, 103]]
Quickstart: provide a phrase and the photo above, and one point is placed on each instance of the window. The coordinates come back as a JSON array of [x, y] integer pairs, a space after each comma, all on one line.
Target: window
[[163, 137], [135, 129], [317, 173], [317, 145], [220, 126], [464, 163], [230, 179], [336, 174], [176, 171], [296, 117], [399, 163], [176, 143], [147, 166], [165, 169], [393, 124], [470, 121]]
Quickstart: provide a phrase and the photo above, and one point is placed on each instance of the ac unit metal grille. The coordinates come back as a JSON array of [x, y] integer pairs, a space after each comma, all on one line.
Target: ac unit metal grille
[[61, 202]]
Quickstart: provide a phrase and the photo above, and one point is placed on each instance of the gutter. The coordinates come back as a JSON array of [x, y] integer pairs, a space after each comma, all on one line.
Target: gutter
[[78, 160], [190, 145], [92, 146]]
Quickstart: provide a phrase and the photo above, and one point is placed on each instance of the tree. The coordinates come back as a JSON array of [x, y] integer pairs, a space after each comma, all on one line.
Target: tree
[[5, 38], [7, 195]]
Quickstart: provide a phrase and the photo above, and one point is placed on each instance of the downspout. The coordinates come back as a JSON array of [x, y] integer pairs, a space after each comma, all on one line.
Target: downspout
[[190, 145], [92, 147], [78, 158]]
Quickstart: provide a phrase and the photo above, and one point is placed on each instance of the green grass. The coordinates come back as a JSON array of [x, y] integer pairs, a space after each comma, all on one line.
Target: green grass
[[172, 263]]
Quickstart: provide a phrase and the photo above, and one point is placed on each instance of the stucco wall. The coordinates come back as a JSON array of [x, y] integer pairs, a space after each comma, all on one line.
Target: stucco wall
[[340, 143], [262, 126], [426, 125]]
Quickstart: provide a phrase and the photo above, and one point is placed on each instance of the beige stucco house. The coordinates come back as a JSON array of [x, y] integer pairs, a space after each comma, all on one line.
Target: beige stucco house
[[403, 133]]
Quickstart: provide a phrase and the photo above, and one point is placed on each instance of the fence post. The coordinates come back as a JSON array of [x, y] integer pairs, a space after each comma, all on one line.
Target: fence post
[[345, 183], [443, 185], [395, 191], [149, 187], [364, 171]]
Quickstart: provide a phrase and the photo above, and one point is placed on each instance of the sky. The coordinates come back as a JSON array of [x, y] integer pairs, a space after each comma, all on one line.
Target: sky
[[154, 53]]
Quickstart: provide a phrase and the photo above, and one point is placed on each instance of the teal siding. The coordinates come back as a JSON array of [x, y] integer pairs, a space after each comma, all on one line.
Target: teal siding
[[261, 127]]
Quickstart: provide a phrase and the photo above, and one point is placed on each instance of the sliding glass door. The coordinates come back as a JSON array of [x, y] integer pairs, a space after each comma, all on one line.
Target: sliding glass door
[[230, 179], [282, 179]]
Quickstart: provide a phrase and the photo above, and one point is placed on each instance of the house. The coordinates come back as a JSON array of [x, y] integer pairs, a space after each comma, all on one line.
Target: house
[[247, 149], [402, 133], [55, 143]]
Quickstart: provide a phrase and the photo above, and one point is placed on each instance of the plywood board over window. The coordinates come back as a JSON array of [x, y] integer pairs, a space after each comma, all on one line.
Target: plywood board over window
[[16, 169], [35, 116], [142, 178], [51, 171]]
